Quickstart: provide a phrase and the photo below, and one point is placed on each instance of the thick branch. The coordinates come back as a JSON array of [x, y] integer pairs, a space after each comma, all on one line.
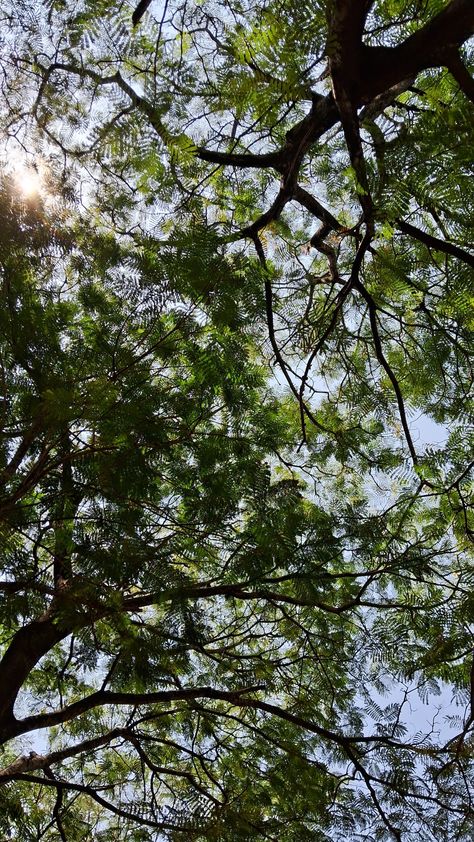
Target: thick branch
[[315, 208], [240, 159], [239, 698], [34, 761], [30, 643], [27, 647], [106, 697], [461, 74], [21, 451], [237, 591], [435, 243], [346, 20], [383, 67], [139, 11], [272, 214]]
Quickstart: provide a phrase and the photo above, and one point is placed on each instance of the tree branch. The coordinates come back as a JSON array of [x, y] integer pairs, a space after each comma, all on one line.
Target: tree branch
[[107, 697], [435, 242], [387, 368], [383, 67], [33, 761], [139, 11], [460, 73], [108, 805], [315, 208]]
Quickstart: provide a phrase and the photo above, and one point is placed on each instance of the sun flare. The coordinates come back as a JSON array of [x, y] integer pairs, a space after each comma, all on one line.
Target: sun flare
[[28, 181]]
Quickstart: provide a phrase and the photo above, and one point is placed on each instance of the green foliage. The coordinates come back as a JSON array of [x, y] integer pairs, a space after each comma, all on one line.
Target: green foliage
[[236, 423]]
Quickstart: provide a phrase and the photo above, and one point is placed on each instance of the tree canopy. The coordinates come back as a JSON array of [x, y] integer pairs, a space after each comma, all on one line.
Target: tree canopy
[[236, 421]]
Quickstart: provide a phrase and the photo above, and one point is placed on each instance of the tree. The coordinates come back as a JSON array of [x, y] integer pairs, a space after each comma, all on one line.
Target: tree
[[231, 558]]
